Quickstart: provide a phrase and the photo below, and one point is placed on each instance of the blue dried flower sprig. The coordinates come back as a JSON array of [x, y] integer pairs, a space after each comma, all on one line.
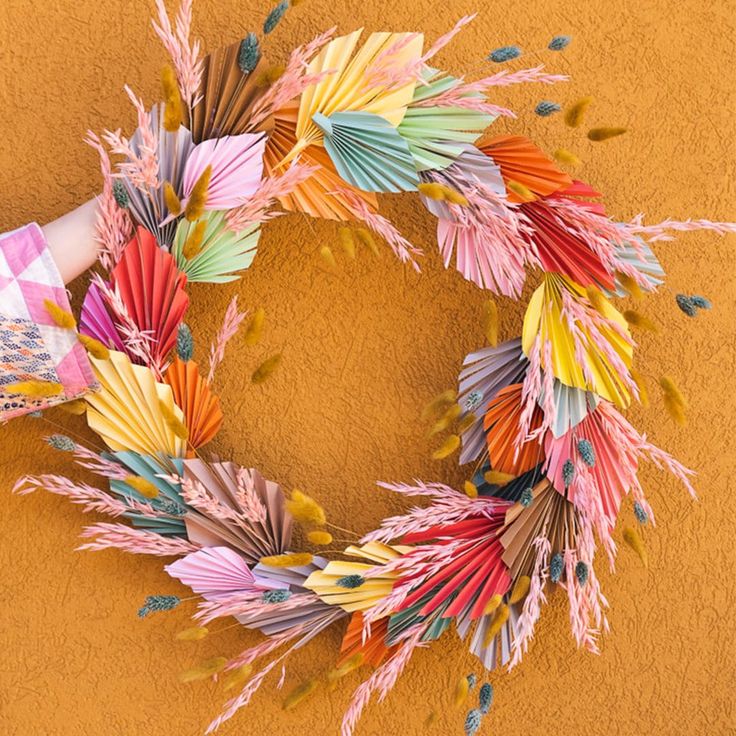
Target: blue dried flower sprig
[[350, 581], [155, 603], [275, 16], [504, 53], [120, 193], [249, 53], [641, 515], [556, 568], [184, 343], [472, 721], [559, 42], [527, 498], [691, 304], [587, 453], [61, 442], [581, 572], [485, 697], [276, 596], [568, 473], [546, 108]]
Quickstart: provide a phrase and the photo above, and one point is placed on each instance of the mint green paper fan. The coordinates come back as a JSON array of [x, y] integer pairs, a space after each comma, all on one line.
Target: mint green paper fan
[[223, 252], [368, 152], [437, 135]]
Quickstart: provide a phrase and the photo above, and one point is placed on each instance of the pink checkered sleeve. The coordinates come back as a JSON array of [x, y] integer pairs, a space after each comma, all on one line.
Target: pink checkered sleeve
[[32, 346]]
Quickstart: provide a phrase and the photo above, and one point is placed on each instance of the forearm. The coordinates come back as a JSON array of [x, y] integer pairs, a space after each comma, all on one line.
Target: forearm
[[71, 240]]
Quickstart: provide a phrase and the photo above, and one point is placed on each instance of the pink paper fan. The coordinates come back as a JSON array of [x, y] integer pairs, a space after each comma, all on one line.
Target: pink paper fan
[[237, 169]]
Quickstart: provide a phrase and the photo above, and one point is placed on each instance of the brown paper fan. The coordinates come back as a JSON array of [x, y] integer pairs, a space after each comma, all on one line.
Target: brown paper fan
[[228, 97], [501, 424], [254, 539], [202, 413], [317, 196], [549, 511], [521, 161]]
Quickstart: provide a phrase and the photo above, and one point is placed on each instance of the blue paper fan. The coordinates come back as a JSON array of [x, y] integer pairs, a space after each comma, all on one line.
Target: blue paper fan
[[368, 152]]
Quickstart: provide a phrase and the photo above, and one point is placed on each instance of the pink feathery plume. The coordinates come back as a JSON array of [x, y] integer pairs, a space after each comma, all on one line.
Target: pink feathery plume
[[401, 247], [448, 507], [94, 462], [230, 326], [531, 390], [271, 189], [253, 508], [653, 233], [141, 168], [491, 241], [184, 53], [382, 680], [506, 78], [457, 97], [533, 602], [249, 604], [113, 226], [293, 81], [136, 541]]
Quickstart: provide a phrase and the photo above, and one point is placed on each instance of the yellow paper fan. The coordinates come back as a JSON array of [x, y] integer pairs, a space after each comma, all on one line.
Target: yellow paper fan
[[356, 593], [544, 318], [126, 412], [349, 88]]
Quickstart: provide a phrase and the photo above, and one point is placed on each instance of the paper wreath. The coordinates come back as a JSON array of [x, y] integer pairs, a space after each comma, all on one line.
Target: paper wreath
[[538, 418]]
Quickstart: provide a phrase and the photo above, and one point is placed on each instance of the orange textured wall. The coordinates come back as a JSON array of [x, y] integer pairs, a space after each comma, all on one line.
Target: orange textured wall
[[363, 351]]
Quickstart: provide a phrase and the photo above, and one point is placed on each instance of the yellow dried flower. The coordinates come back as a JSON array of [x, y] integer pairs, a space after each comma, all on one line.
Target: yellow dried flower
[[499, 619], [270, 75], [299, 693], [328, 258], [33, 388], [266, 369], [198, 196], [670, 389], [319, 537], [493, 604], [203, 671], [173, 203], [448, 418], [497, 478], [305, 509], [462, 688], [76, 407], [521, 588], [173, 109], [630, 284], [520, 190], [447, 448], [603, 134], [60, 316], [636, 319], [471, 490], [292, 559], [438, 403], [237, 677], [490, 322], [466, 423], [254, 330], [348, 666], [196, 633], [347, 241], [173, 422], [566, 157], [431, 190], [596, 299], [575, 113], [94, 347], [193, 244], [632, 538], [675, 410], [143, 486], [365, 238]]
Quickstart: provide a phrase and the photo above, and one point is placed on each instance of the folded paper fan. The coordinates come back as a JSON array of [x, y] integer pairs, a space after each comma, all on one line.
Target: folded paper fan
[[501, 423], [485, 372], [222, 253], [373, 648], [572, 405], [320, 195], [252, 539], [228, 96], [368, 152], [349, 86], [237, 168], [511, 491], [218, 572], [152, 291], [498, 649], [126, 411], [437, 135], [615, 461], [341, 583], [551, 515], [95, 320], [521, 161], [202, 413], [595, 356], [640, 256], [172, 151]]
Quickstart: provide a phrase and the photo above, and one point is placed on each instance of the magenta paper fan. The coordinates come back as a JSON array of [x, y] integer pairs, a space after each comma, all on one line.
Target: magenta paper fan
[[237, 168], [96, 322]]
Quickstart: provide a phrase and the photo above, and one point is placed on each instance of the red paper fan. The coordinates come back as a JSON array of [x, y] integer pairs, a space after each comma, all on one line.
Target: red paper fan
[[202, 413], [521, 161], [152, 290], [501, 423]]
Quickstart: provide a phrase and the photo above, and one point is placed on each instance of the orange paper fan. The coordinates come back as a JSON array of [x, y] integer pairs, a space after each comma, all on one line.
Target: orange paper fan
[[317, 196], [228, 96], [501, 423], [373, 649], [202, 413], [521, 161], [152, 290]]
